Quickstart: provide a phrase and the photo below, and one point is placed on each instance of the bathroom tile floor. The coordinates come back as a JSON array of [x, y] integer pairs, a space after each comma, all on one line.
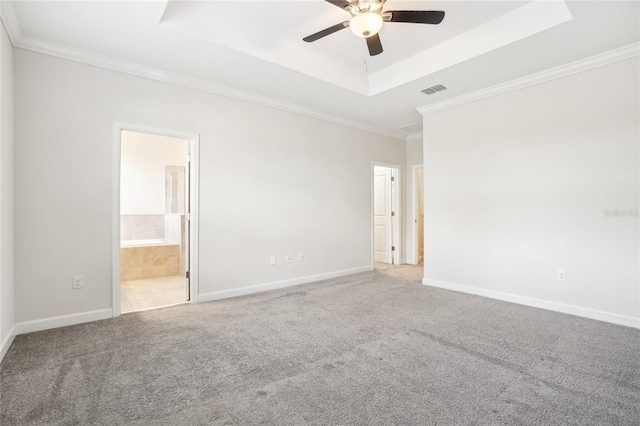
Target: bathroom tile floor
[[152, 293]]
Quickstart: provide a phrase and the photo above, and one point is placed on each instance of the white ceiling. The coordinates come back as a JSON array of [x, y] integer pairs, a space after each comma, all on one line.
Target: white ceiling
[[254, 49]]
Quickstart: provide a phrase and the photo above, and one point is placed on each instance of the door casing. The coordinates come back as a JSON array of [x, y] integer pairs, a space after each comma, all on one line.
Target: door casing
[[417, 187], [192, 237]]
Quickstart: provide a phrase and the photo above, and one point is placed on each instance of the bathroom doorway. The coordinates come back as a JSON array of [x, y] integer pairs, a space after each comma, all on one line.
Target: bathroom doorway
[[155, 188]]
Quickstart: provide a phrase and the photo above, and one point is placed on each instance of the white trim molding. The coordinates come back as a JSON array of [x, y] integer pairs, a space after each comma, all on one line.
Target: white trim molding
[[4, 346], [115, 218], [194, 197], [18, 39], [415, 212], [194, 219], [10, 20], [258, 288], [616, 55], [62, 321], [538, 303]]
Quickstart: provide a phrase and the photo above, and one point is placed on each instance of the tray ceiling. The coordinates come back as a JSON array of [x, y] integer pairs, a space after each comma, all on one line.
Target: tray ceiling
[[253, 50]]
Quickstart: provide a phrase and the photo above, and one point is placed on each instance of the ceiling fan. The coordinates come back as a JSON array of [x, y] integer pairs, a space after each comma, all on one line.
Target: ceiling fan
[[367, 18]]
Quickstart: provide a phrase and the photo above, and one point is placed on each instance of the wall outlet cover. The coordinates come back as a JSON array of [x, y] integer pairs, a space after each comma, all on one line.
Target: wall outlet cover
[[77, 282], [562, 275]]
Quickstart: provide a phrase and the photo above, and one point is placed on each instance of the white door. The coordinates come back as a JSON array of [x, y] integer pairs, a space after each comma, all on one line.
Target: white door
[[420, 189], [382, 215]]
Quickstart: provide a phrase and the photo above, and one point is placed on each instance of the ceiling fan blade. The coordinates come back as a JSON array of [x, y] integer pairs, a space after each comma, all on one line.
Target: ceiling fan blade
[[416, 16], [374, 45], [340, 3], [326, 32]]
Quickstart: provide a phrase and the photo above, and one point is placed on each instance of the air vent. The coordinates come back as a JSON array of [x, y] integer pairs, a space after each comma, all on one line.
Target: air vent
[[411, 128], [433, 89]]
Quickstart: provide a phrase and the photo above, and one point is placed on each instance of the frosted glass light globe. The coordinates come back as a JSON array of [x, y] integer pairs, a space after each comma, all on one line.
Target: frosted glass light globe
[[366, 24]]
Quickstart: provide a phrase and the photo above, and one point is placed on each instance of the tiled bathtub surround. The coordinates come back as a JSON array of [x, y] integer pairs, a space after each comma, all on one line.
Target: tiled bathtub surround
[[138, 263], [162, 259], [142, 226]]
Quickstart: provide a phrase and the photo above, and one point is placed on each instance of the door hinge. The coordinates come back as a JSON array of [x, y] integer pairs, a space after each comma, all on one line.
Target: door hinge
[[393, 179], [393, 213], [188, 158], [187, 216], [188, 275], [393, 248]]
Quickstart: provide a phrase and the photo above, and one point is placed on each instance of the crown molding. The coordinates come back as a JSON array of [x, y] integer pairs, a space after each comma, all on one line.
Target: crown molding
[[582, 65], [10, 20], [19, 40]]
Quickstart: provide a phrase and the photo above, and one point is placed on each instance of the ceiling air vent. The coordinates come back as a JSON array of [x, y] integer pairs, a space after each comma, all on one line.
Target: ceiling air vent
[[433, 89]]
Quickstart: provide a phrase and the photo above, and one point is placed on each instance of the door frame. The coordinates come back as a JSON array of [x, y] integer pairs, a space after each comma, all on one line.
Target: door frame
[[194, 150], [396, 221], [416, 211]]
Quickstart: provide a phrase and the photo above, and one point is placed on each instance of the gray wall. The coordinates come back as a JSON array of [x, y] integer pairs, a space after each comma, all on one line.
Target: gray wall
[[271, 182], [517, 186], [7, 285]]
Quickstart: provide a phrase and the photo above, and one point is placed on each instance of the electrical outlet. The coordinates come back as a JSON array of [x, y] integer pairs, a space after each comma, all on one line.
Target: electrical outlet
[[300, 257], [289, 258], [562, 275], [272, 260], [77, 282]]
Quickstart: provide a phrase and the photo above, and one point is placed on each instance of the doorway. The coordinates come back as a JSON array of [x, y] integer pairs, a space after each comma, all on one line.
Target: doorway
[[154, 223], [386, 214], [418, 213]]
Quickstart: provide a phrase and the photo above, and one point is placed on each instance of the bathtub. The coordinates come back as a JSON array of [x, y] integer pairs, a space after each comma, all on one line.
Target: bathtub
[[150, 258], [145, 243]]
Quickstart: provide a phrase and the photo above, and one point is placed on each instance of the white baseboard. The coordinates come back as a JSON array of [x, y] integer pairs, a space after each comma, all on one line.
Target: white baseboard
[[62, 321], [242, 291], [4, 346], [538, 303]]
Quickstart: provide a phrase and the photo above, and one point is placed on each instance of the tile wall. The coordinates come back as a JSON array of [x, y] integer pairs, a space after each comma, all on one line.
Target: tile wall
[[142, 226]]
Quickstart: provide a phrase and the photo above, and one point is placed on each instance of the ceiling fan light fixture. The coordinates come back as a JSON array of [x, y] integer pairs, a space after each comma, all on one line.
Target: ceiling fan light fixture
[[366, 24]]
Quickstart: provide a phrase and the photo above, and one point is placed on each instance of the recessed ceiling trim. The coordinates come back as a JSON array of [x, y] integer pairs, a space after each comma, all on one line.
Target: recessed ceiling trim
[[193, 18], [107, 62], [616, 55], [532, 18], [10, 20], [290, 53]]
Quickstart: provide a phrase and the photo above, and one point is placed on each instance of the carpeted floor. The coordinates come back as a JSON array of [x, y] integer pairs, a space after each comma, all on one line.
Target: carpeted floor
[[376, 348]]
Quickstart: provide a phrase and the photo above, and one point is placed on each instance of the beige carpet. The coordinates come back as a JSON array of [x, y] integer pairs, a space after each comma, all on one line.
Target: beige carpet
[[377, 348]]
